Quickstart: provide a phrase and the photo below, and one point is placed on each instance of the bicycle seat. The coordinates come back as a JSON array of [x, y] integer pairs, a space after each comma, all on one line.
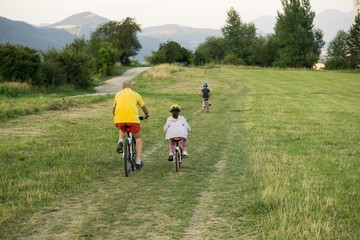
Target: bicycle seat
[[176, 139]]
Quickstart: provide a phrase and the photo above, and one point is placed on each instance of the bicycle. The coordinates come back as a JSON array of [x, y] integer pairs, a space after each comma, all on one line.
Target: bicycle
[[129, 154], [177, 154], [206, 105]]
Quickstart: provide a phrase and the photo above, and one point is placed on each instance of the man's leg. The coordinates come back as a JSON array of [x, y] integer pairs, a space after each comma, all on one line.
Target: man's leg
[[139, 146], [120, 145], [121, 135]]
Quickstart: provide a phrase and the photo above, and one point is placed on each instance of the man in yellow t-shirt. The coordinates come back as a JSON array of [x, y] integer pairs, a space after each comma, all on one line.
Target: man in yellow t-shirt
[[125, 111]]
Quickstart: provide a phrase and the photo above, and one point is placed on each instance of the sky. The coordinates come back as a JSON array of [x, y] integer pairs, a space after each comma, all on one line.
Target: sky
[[147, 13]]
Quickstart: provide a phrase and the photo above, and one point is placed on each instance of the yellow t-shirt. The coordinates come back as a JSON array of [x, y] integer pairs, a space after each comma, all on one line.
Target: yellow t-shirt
[[126, 104]]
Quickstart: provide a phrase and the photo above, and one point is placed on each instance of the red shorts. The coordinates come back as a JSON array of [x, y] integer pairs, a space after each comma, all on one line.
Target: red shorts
[[133, 127]]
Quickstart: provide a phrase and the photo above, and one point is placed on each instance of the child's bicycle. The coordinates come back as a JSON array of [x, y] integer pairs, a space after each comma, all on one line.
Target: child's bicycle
[[129, 154], [177, 154], [207, 104]]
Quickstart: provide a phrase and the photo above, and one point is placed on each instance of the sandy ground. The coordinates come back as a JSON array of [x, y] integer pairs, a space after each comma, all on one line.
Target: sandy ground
[[113, 85]]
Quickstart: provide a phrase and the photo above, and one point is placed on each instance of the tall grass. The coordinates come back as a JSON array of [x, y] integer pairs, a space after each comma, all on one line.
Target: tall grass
[[276, 157]]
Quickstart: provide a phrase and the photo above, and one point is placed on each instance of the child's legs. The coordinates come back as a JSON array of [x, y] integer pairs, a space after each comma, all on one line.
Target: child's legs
[[185, 144], [171, 146], [205, 102]]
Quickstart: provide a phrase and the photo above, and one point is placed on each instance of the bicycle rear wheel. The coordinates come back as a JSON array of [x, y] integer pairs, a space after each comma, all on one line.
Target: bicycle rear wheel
[[177, 160], [127, 158], [206, 107]]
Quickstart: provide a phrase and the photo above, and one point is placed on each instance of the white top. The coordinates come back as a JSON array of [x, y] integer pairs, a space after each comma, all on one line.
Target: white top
[[176, 127]]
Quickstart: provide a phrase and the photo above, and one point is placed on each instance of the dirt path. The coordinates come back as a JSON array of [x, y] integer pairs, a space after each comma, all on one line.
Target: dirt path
[[113, 85]]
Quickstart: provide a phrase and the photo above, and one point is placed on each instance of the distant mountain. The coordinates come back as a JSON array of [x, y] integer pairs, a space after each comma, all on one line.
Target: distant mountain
[[81, 24], [188, 37], [265, 25], [17, 32], [329, 21]]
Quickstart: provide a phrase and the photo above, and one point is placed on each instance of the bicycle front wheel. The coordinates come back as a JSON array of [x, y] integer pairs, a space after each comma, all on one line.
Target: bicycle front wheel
[[177, 160], [127, 158]]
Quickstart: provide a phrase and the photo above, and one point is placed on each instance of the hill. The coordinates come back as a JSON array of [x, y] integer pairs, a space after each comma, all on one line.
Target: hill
[[81, 24], [265, 24], [151, 37], [22, 33], [329, 21]]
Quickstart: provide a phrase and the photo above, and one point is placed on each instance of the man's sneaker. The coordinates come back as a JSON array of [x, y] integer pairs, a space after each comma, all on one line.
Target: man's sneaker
[[139, 166], [185, 154], [119, 147], [171, 157]]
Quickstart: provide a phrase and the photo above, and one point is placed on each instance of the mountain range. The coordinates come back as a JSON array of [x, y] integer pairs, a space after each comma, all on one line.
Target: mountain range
[[57, 35]]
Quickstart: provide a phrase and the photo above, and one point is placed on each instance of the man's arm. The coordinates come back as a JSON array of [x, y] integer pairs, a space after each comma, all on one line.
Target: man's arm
[[145, 111]]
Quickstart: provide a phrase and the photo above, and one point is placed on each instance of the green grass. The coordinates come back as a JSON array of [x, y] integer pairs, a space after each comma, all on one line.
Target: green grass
[[277, 157], [20, 99]]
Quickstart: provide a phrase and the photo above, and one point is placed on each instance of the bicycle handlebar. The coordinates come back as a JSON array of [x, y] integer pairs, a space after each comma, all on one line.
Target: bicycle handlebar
[[143, 117]]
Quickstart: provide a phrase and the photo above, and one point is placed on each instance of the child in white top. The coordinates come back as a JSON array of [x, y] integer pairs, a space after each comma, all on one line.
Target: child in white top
[[176, 126]]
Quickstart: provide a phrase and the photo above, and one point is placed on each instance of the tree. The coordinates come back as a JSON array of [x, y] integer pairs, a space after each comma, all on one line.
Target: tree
[[123, 36], [319, 42], [299, 45], [354, 43], [263, 51], [210, 51], [170, 52], [337, 51], [238, 37], [105, 55]]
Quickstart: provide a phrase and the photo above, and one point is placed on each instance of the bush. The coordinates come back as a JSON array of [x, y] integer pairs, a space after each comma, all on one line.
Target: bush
[[52, 74], [233, 59], [18, 63], [337, 62]]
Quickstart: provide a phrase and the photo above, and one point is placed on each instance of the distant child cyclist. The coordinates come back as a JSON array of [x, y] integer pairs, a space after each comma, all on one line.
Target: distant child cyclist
[[176, 126], [205, 94]]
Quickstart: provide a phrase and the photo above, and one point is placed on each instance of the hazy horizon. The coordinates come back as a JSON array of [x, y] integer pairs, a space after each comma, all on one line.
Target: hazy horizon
[[198, 14]]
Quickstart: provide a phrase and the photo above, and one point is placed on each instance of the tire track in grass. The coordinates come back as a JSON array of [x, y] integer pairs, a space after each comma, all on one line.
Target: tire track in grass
[[202, 215], [65, 219]]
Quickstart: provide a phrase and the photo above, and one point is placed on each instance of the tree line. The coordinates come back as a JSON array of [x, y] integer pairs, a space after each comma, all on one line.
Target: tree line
[[295, 43], [77, 63]]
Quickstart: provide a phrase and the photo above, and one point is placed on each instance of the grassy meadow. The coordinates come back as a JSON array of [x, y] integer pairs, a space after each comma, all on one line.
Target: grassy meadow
[[277, 157]]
